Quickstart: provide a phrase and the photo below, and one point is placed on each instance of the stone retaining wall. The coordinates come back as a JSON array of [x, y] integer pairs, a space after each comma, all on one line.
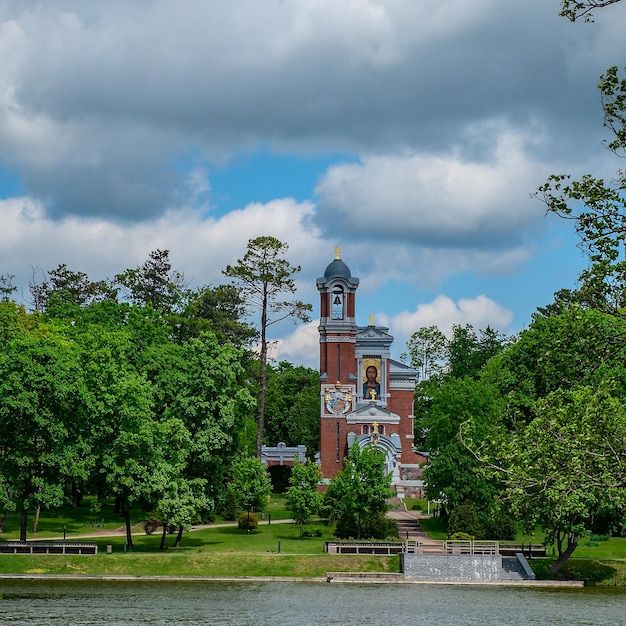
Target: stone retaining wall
[[452, 567]]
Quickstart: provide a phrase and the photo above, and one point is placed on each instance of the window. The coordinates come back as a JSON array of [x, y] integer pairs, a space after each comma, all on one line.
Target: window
[[336, 303]]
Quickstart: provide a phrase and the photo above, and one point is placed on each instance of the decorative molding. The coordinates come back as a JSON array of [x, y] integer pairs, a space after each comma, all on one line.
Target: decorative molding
[[337, 339]]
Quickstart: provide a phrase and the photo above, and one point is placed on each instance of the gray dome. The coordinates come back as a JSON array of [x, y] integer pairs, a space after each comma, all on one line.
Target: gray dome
[[337, 269]]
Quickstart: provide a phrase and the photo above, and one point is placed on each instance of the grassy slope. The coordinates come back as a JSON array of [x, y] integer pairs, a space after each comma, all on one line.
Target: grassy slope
[[213, 551], [227, 551]]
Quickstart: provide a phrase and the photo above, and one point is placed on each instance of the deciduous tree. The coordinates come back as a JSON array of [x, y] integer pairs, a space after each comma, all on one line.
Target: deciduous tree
[[426, 351], [251, 483], [359, 493], [575, 9], [303, 495], [565, 465], [42, 447]]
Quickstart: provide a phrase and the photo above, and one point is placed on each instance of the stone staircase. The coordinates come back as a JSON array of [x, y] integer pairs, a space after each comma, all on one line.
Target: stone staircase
[[410, 529], [512, 569]]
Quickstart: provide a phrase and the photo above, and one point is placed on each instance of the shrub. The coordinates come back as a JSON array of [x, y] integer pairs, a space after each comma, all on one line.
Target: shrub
[[152, 522], [462, 537], [499, 526], [378, 527], [230, 505], [248, 521], [464, 519]]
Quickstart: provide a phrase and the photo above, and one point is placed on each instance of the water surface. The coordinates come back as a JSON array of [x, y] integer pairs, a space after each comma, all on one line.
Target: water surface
[[96, 603]]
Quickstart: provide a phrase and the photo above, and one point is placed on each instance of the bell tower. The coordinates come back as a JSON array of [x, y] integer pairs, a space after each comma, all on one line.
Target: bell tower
[[338, 379], [337, 322]]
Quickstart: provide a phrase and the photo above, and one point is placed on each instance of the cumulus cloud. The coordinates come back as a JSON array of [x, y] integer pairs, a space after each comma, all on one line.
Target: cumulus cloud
[[444, 313], [299, 346], [105, 107], [302, 344], [199, 247], [436, 200]]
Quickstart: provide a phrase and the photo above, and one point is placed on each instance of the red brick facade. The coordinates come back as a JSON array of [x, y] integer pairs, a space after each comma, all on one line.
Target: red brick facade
[[385, 415]]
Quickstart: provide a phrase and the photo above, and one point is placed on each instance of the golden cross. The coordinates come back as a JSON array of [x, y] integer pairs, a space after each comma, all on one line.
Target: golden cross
[[337, 253], [371, 320]]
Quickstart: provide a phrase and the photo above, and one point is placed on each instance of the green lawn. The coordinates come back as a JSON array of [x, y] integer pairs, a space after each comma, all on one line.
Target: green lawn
[[217, 551], [274, 549], [213, 551]]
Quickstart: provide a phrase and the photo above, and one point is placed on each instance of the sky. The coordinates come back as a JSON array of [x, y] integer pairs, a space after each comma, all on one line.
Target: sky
[[410, 134]]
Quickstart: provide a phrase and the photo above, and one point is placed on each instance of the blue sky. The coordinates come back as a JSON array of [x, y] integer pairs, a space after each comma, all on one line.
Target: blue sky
[[410, 134]]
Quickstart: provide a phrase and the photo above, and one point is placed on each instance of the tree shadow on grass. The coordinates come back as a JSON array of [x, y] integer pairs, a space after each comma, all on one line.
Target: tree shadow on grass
[[233, 530], [590, 571]]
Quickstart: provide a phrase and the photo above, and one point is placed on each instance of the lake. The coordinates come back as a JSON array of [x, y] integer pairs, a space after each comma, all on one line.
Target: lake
[[96, 603]]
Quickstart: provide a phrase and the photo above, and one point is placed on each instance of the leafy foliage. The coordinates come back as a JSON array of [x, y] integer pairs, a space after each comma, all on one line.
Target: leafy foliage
[[248, 521], [564, 465], [303, 495], [293, 406], [598, 209], [575, 9], [358, 495], [251, 483], [154, 283]]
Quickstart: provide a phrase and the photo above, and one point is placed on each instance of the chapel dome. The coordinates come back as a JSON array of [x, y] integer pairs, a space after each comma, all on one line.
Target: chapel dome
[[337, 269]]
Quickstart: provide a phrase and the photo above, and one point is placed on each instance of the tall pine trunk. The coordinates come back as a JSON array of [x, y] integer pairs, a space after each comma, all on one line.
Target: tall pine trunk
[[262, 377]]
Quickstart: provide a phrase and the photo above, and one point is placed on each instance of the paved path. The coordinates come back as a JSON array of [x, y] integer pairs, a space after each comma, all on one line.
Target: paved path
[[138, 529]]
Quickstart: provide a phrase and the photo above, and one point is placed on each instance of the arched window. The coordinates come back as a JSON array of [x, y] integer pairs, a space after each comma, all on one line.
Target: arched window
[[366, 430], [336, 303]]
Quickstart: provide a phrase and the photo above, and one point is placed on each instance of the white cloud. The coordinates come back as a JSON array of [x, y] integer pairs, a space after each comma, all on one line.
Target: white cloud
[[200, 248], [444, 313], [301, 346], [98, 100], [438, 200]]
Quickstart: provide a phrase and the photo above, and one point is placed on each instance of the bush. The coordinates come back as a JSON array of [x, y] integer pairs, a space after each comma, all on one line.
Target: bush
[[464, 519], [230, 505], [248, 521], [498, 526], [462, 537], [380, 527]]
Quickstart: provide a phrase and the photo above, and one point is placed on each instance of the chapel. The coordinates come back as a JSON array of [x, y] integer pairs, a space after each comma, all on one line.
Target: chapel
[[366, 396]]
